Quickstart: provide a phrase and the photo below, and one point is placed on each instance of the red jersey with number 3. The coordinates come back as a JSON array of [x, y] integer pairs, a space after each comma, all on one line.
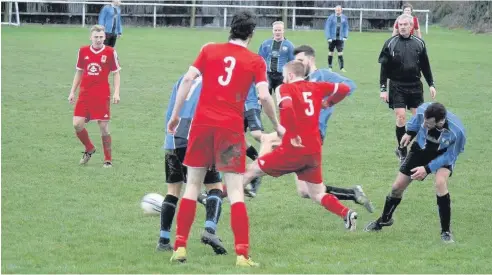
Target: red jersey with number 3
[[96, 66], [228, 70], [305, 99]]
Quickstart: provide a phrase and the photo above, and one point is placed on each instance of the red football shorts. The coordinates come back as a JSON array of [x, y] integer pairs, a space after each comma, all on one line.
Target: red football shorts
[[283, 161], [93, 108], [216, 147]]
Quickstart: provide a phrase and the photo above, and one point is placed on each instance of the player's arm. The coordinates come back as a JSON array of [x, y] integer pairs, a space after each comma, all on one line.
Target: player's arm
[[384, 60], [416, 27], [414, 124], [346, 29], [287, 112], [328, 27], [77, 77], [450, 156], [336, 92], [115, 68], [426, 68]]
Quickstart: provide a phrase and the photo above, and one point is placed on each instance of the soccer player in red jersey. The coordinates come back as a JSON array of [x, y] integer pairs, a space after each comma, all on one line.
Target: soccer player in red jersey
[[216, 136], [300, 102], [94, 63]]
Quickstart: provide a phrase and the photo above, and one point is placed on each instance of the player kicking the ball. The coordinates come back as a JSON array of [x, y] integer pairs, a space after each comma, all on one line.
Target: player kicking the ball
[[94, 63], [176, 174], [300, 151], [216, 136], [306, 55]]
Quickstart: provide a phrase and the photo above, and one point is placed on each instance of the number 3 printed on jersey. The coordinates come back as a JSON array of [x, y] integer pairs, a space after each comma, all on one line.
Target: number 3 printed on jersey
[[310, 110], [230, 63]]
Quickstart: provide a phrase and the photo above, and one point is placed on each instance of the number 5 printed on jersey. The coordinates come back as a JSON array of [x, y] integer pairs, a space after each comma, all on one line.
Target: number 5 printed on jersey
[[310, 110], [230, 63]]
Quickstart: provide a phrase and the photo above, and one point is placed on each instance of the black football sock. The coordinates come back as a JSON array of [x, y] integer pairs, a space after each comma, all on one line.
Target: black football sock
[[389, 208], [252, 153], [343, 194], [213, 209], [167, 216], [400, 132], [330, 60], [444, 206], [340, 61]]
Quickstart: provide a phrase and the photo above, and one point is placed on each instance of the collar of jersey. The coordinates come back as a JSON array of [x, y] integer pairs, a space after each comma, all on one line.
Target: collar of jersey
[[235, 42]]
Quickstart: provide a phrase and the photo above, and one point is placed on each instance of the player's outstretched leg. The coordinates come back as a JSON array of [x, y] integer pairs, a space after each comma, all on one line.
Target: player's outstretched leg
[[106, 142], [317, 192], [83, 135], [167, 215], [239, 218], [213, 208], [392, 201], [187, 212], [355, 194]]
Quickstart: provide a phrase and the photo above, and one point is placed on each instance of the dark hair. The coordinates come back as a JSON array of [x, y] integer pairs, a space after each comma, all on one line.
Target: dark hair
[[407, 5], [243, 25], [435, 110], [307, 50]]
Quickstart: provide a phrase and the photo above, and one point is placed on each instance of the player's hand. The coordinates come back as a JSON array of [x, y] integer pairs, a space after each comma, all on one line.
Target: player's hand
[[296, 142], [116, 98], [419, 173], [433, 92], [119, 36], [330, 40], [384, 96], [405, 140], [345, 39], [172, 125], [71, 98], [280, 131]]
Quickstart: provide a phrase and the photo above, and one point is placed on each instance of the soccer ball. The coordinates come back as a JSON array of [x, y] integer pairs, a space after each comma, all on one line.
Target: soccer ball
[[152, 203]]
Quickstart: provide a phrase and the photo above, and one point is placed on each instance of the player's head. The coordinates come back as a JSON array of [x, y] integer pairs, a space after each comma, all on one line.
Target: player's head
[[435, 116], [242, 26], [97, 36], [405, 24], [407, 9], [278, 30], [116, 2], [293, 71], [306, 55], [338, 10]]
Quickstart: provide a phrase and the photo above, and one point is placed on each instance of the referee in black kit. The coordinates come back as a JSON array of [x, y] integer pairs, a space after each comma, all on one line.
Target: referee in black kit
[[402, 59]]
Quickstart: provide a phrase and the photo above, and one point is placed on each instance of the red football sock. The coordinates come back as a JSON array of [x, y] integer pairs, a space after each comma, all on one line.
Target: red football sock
[[240, 228], [332, 204], [84, 138], [106, 141], [184, 220]]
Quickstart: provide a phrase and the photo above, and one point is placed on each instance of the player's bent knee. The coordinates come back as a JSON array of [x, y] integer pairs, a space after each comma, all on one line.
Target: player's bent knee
[[441, 183], [104, 127], [396, 192], [401, 118], [78, 123]]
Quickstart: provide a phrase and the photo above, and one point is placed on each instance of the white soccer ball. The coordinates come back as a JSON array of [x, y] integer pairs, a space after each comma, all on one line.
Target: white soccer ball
[[152, 203]]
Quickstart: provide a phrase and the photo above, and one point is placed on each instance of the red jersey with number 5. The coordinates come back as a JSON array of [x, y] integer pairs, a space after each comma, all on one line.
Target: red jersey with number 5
[[96, 66], [300, 106], [228, 69]]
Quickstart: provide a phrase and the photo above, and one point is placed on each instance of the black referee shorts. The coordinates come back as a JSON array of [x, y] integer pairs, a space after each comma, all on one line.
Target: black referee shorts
[[336, 44], [275, 79], [176, 172], [405, 95], [419, 157]]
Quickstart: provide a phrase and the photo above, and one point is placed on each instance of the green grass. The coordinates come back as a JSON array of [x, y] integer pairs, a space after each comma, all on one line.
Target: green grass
[[58, 217]]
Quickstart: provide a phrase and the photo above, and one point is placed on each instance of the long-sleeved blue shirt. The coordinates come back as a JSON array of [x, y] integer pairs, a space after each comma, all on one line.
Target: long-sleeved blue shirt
[[107, 19], [331, 27], [326, 75], [452, 139], [276, 58], [186, 114]]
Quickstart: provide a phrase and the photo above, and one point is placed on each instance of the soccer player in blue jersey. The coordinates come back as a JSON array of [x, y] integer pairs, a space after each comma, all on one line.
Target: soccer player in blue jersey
[[276, 51], [176, 174], [306, 55], [439, 139]]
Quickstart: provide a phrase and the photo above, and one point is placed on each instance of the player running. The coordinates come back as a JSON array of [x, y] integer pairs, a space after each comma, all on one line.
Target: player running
[[94, 63], [306, 55], [176, 173], [300, 151], [216, 137]]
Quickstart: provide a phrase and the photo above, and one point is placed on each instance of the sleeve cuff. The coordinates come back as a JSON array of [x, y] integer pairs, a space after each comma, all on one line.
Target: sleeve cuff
[[427, 169]]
